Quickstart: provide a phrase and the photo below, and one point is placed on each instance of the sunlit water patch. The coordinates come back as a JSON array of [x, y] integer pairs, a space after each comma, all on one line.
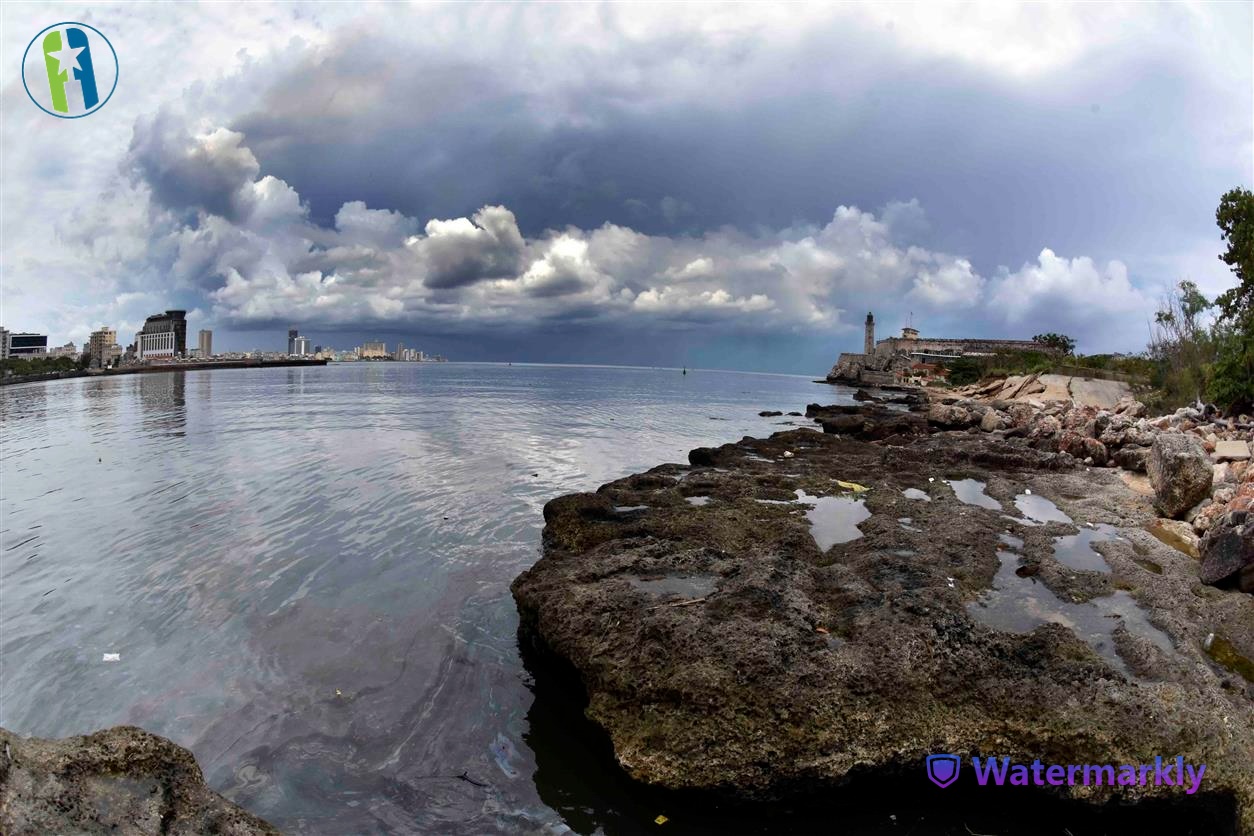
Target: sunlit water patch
[[971, 491], [684, 586], [1018, 604], [833, 519], [1038, 508], [1076, 550]]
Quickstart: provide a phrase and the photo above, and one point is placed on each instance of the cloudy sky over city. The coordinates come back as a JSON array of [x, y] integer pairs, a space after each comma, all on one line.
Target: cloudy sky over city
[[715, 185]]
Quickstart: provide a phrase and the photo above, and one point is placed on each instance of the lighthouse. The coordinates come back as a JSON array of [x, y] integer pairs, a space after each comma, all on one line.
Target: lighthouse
[[869, 346]]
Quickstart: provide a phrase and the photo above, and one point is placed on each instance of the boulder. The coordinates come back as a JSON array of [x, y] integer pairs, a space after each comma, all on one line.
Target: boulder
[[1132, 458], [121, 780], [1130, 407], [1021, 414], [843, 424], [1228, 552], [1180, 472], [949, 416], [1043, 426], [993, 421], [1083, 447]]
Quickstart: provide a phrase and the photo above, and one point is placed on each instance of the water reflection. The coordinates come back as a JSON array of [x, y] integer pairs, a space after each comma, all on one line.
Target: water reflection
[[163, 401], [305, 571]]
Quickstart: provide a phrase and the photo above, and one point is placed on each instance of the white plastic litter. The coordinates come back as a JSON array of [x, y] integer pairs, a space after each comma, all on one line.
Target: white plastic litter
[[112, 657]]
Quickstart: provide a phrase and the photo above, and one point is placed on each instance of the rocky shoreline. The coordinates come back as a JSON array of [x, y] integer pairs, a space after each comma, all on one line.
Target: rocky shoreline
[[785, 615]]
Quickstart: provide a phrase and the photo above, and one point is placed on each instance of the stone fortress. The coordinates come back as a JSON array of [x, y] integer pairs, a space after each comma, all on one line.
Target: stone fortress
[[894, 360]]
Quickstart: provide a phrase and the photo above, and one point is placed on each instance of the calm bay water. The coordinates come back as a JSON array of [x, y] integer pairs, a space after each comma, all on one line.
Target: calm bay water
[[306, 571]]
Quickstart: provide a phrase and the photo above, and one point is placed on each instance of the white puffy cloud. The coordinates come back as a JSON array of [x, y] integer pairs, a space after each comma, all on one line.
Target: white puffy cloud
[[1056, 284]]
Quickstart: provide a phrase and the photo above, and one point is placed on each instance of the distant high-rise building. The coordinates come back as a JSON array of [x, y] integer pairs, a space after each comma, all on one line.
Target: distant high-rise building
[[292, 334], [205, 343], [103, 347], [27, 345], [400, 351], [4, 343], [374, 349], [300, 346]]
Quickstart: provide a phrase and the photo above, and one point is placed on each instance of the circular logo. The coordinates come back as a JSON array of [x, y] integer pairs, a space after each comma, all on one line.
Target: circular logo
[[70, 70]]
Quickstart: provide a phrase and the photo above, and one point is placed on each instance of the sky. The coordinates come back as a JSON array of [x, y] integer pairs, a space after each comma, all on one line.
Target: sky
[[711, 185]]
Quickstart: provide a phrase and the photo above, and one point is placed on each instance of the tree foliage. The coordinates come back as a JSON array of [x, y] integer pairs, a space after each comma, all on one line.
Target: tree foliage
[[1235, 217], [22, 366], [1059, 342]]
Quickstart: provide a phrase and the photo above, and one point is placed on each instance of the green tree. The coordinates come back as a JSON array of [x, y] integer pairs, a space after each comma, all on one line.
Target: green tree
[[1232, 374], [1059, 342], [1235, 217]]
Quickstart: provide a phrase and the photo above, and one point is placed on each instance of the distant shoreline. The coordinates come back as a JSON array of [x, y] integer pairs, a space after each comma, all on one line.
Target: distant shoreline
[[166, 367]]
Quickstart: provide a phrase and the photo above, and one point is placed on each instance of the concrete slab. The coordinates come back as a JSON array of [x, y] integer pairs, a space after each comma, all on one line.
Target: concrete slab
[[1100, 393], [1232, 451]]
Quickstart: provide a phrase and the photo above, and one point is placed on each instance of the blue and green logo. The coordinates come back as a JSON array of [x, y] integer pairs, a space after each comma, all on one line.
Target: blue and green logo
[[70, 70]]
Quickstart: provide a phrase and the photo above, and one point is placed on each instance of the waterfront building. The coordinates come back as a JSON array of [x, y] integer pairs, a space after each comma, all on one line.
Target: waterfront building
[[173, 323], [27, 345], [103, 347], [292, 334], [400, 352], [159, 346], [205, 343], [4, 343], [373, 350], [300, 346]]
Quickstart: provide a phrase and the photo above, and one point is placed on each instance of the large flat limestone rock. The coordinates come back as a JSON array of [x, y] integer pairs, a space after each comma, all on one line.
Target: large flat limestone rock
[[722, 648]]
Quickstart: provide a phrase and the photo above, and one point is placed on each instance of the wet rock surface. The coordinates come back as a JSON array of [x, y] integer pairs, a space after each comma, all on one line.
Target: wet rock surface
[[121, 780], [764, 643]]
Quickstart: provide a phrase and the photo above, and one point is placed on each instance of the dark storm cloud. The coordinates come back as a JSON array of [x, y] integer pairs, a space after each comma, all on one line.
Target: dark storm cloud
[[190, 173], [458, 253]]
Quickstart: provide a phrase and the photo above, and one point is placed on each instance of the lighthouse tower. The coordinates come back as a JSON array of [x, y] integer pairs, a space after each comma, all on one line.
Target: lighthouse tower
[[869, 346]]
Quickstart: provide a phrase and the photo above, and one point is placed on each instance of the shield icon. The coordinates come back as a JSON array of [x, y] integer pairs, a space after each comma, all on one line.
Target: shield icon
[[943, 769]]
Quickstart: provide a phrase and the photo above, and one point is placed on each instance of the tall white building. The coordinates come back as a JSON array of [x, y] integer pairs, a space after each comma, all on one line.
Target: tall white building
[[205, 343], [300, 346]]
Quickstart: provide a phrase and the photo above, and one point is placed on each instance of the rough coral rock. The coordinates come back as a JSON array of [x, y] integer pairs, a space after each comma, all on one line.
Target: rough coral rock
[[122, 780], [1228, 551], [1180, 471]]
